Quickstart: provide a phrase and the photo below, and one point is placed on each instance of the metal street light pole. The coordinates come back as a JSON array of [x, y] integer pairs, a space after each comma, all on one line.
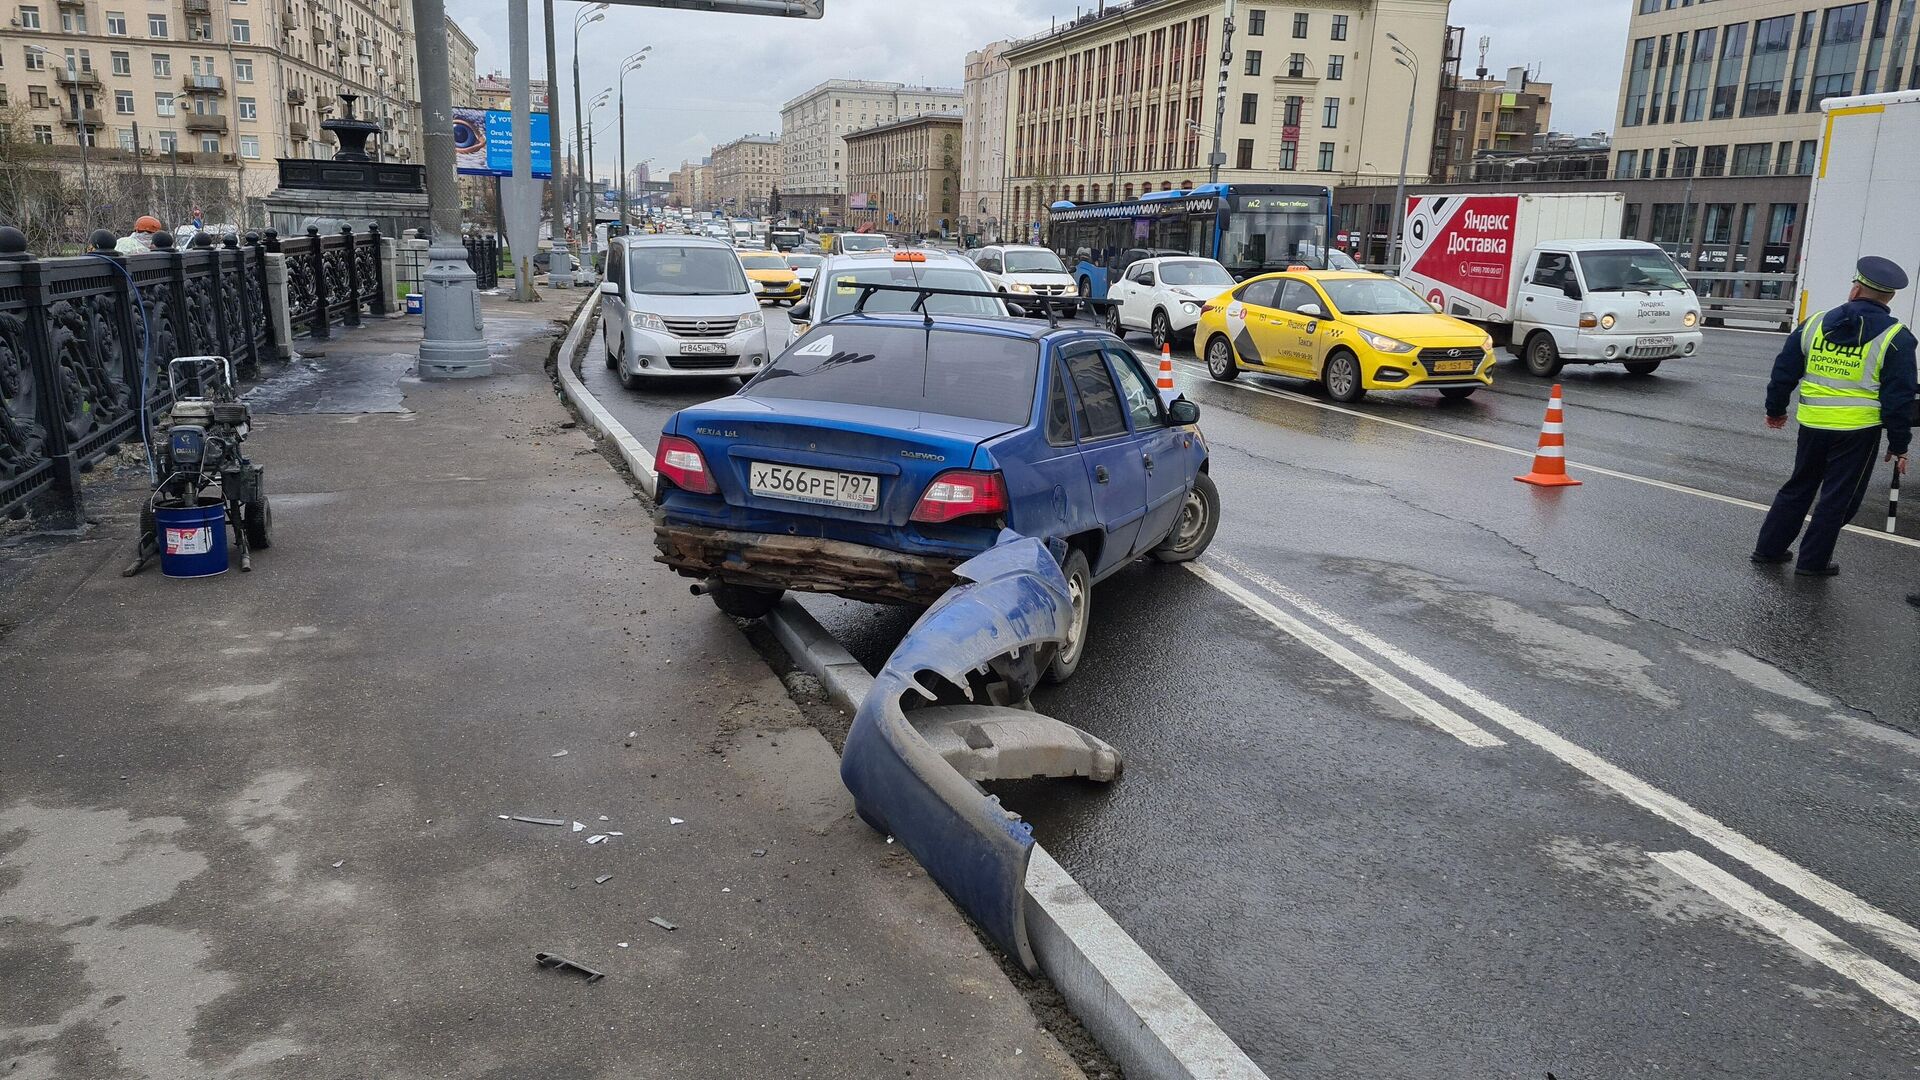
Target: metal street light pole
[[592, 240], [1686, 208], [631, 63], [1405, 58], [559, 262], [453, 343], [85, 134], [586, 16], [1219, 155]]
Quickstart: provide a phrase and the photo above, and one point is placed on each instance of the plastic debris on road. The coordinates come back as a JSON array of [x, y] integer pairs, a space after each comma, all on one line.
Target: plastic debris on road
[[555, 960], [558, 753], [603, 879], [662, 923], [676, 821], [596, 838], [577, 827], [537, 820]]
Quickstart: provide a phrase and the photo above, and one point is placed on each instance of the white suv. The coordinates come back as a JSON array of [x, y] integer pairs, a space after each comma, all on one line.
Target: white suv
[[680, 306], [1018, 270], [1163, 297]]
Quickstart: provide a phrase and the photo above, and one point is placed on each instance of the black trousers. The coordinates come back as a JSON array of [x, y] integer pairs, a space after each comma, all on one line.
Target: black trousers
[[1832, 467]]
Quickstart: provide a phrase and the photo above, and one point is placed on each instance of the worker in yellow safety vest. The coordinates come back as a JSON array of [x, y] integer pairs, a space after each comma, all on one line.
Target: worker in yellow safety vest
[[1854, 368]]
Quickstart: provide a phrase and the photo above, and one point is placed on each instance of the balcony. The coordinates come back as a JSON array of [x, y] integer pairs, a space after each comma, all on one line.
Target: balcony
[[206, 122], [296, 96], [197, 7], [297, 130], [76, 76], [206, 84], [92, 117]]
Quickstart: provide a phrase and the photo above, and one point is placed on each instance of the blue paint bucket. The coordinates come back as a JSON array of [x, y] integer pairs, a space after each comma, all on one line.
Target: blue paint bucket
[[192, 539], [416, 303]]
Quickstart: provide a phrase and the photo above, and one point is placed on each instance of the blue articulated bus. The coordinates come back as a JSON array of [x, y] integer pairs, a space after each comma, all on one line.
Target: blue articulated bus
[[1248, 228]]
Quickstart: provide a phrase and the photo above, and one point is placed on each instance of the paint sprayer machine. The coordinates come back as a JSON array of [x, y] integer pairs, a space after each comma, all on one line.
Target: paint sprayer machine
[[192, 449]]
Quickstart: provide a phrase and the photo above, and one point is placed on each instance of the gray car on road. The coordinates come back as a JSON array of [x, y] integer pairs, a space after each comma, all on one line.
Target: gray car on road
[[682, 306]]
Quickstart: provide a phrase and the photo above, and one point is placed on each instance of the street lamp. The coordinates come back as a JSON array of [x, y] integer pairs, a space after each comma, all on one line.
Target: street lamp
[[585, 17], [592, 238], [1405, 58], [631, 63], [85, 136]]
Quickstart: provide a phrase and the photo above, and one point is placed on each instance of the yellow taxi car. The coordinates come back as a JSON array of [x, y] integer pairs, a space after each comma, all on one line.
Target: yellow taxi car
[[1349, 330], [772, 278]]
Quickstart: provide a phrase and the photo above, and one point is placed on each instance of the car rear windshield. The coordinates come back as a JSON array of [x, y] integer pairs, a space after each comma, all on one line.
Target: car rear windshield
[[1034, 262], [803, 262], [764, 262], [947, 372], [664, 270], [861, 242], [842, 297], [1195, 272]]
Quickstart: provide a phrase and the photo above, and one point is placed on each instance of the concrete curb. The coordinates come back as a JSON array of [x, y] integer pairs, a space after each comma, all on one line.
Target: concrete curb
[[1129, 1004]]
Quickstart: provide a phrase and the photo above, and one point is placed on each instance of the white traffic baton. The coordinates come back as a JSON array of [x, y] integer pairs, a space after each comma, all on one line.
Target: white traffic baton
[[1893, 500]]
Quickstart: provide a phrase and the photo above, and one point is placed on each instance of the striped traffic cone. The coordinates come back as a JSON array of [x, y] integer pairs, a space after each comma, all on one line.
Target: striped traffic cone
[[1166, 368], [1550, 461]]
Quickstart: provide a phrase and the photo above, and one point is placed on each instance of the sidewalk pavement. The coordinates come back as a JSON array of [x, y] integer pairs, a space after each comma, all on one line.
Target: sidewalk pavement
[[251, 826]]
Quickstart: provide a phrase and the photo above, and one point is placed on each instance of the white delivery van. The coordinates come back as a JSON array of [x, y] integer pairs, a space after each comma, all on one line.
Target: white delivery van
[[1862, 199], [1544, 276]]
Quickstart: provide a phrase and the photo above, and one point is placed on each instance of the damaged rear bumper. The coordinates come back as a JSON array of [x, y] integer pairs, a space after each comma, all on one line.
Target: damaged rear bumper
[[804, 564]]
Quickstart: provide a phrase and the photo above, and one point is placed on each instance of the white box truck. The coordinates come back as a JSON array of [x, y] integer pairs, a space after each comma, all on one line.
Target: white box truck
[[1544, 275], [1862, 201]]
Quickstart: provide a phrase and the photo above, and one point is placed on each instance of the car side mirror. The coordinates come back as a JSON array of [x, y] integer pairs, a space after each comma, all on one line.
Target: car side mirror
[[609, 288], [1183, 412], [1572, 290], [800, 312], [1312, 310], [1016, 311]]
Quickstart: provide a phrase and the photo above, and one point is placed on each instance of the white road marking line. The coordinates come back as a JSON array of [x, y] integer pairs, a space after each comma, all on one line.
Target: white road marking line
[[1803, 934], [1779, 868], [1433, 712], [1682, 489]]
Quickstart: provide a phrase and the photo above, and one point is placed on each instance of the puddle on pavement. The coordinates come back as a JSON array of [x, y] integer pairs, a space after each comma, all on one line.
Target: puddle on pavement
[[325, 384]]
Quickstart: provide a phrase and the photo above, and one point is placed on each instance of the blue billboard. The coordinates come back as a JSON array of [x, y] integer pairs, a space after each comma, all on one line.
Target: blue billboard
[[483, 143]]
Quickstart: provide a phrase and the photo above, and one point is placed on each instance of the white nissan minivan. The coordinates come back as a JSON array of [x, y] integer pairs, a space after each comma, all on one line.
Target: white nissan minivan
[[682, 306]]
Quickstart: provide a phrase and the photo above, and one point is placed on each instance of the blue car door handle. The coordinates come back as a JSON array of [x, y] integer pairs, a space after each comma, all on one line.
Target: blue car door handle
[[1100, 474], [1147, 460]]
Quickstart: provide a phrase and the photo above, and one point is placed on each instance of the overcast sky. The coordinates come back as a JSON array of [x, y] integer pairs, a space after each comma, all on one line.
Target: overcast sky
[[712, 78]]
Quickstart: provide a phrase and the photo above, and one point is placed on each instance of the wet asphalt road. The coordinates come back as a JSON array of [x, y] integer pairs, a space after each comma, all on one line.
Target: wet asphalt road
[[1351, 891]]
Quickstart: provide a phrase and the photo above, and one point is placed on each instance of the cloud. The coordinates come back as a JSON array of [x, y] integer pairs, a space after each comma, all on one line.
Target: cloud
[[712, 78]]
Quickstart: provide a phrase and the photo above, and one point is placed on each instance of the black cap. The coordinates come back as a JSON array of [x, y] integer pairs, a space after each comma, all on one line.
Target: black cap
[[1880, 275]]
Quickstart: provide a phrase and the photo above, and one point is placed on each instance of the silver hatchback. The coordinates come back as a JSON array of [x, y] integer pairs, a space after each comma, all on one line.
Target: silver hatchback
[[681, 306]]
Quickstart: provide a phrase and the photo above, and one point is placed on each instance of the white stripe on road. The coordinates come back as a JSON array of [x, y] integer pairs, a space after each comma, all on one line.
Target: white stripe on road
[[1302, 399], [1422, 706], [1803, 934], [1780, 869]]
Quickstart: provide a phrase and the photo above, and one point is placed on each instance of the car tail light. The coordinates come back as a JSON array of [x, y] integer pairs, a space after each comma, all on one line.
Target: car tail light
[[961, 493], [680, 461]]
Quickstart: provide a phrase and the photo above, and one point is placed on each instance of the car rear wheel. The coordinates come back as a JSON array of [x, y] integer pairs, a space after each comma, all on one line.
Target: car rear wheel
[[1199, 519], [1066, 658], [743, 601], [1543, 356], [1457, 393], [1220, 363], [1342, 378], [1643, 367]]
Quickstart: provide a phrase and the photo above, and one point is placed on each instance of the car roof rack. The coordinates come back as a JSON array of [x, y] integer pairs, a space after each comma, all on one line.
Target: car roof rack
[[922, 292]]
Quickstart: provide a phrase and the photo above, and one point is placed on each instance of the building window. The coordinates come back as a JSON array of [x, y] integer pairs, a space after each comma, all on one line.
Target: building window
[[1733, 53], [1289, 154], [36, 97], [167, 141], [117, 23], [1685, 158], [1629, 161], [156, 26], [1253, 61], [1300, 24], [1714, 162], [29, 20], [1699, 71], [1336, 66], [122, 63], [163, 104], [1767, 74], [1630, 222], [1249, 108], [36, 60], [1244, 157], [1291, 118], [123, 102], [1718, 228], [43, 134], [1750, 159], [249, 146], [1339, 28], [124, 139], [248, 108], [1839, 53], [1326, 157], [73, 20], [162, 65], [1330, 113], [1780, 222], [1256, 23], [240, 30], [1809, 152], [1634, 112], [209, 143], [1297, 66], [242, 69], [1803, 55]]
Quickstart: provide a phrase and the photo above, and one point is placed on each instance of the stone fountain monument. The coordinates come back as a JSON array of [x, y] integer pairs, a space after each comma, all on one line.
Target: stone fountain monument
[[350, 187]]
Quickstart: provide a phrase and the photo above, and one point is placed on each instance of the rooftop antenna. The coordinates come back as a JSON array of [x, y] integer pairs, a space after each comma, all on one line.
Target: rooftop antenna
[[1481, 72]]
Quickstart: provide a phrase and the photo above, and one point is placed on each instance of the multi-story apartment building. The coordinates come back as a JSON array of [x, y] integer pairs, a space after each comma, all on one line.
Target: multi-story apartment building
[[983, 140], [745, 173], [1122, 101], [463, 72], [1493, 115], [904, 176], [219, 88], [814, 125], [495, 91], [692, 185]]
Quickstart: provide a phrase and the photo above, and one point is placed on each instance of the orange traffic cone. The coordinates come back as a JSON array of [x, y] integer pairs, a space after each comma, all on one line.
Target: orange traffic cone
[[1550, 461], [1166, 368]]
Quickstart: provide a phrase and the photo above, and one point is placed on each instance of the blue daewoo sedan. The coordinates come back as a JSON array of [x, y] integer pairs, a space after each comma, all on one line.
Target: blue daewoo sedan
[[883, 450]]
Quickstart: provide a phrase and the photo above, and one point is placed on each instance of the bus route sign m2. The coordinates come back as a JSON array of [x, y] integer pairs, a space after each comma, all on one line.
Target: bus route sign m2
[[483, 142]]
